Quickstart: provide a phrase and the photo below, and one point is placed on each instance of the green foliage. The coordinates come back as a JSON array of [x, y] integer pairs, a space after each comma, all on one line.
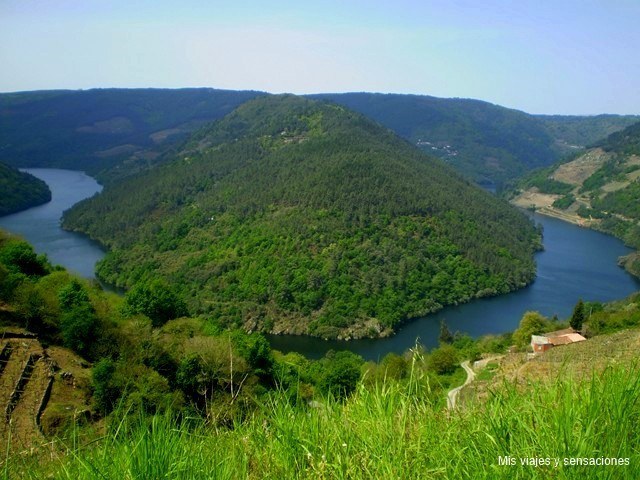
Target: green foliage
[[586, 212], [20, 257], [157, 300], [443, 360], [73, 295], [333, 223], [105, 390], [540, 179], [394, 366], [577, 317], [20, 190], [382, 431], [94, 130], [565, 202], [445, 335], [572, 131], [78, 328], [612, 317], [624, 142], [340, 375], [609, 171], [624, 202], [486, 142], [255, 349], [532, 323]]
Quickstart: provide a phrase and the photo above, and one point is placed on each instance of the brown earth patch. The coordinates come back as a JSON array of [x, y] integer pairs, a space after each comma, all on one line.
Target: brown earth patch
[[578, 170]]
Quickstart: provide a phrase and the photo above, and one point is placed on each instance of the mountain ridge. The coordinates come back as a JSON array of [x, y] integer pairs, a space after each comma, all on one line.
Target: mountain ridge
[[113, 133]]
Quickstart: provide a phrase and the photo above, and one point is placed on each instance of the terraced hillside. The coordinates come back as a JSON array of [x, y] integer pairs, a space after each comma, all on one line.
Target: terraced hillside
[[31, 383], [599, 189]]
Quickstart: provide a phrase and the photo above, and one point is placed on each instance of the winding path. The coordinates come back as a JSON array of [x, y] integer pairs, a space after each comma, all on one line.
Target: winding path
[[453, 393]]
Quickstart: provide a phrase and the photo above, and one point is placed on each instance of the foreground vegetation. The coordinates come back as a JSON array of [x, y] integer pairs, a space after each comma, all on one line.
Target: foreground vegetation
[[182, 398], [390, 430]]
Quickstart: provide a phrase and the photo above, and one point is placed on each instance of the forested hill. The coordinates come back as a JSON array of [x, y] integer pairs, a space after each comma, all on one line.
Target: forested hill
[[92, 130], [599, 188], [572, 132], [487, 142], [113, 133], [291, 215], [19, 190]]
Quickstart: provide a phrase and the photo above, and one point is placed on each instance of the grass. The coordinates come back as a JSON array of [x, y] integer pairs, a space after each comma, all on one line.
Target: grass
[[488, 372], [391, 430]]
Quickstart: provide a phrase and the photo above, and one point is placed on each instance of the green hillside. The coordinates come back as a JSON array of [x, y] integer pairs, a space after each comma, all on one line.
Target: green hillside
[[486, 142], [296, 216], [599, 188], [19, 190], [94, 130], [117, 132], [572, 132]]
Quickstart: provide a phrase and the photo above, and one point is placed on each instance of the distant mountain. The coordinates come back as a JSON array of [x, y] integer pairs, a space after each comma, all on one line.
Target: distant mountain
[[599, 188], [19, 190], [113, 133], [291, 215], [575, 132], [486, 142], [94, 130]]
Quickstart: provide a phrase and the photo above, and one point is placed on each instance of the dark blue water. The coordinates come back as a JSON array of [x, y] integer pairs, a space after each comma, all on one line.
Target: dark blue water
[[41, 225], [577, 263]]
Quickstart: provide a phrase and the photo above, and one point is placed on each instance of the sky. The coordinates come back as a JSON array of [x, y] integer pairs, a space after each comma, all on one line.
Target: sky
[[540, 56]]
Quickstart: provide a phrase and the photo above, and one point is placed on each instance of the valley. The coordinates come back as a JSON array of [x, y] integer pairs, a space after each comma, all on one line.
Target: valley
[[200, 239], [597, 189]]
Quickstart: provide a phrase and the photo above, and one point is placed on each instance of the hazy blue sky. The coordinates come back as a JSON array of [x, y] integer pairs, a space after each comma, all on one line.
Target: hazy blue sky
[[541, 56]]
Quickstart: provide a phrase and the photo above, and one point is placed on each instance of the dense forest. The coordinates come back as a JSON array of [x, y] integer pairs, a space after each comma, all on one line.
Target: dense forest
[[296, 216], [97, 130], [486, 142], [113, 133], [19, 190]]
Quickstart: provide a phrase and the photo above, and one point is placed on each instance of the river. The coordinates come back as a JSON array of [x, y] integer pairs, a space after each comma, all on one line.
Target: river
[[576, 263], [41, 225]]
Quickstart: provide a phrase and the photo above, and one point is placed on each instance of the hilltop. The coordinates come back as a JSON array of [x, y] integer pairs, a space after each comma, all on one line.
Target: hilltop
[[292, 215], [113, 133], [20, 190], [599, 188], [488, 143]]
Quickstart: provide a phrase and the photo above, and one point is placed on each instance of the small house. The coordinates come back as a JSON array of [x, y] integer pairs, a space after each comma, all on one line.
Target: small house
[[542, 343]]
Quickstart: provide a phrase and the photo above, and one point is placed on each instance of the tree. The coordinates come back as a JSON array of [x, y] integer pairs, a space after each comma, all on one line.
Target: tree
[[445, 334], [73, 295], [157, 300], [20, 256], [341, 374], [79, 327], [105, 391], [577, 318], [443, 360], [532, 323]]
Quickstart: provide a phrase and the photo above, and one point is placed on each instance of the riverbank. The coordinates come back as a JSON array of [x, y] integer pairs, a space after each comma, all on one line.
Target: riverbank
[[40, 225], [542, 204]]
